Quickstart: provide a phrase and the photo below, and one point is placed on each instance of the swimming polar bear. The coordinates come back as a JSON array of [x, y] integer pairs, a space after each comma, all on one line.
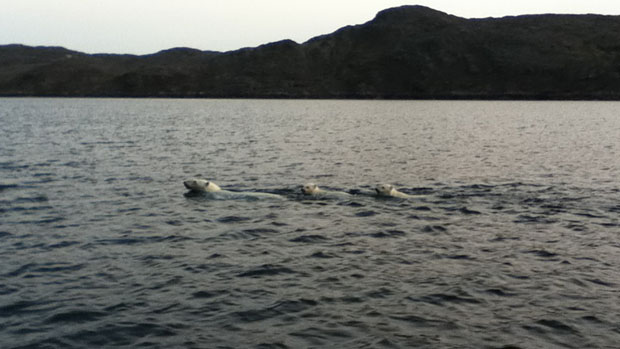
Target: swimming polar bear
[[314, 190], [389, 190], [214, 190], [201, 185]]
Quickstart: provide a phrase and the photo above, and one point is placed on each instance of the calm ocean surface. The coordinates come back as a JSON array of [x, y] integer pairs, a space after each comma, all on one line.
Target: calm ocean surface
[[514, 241]]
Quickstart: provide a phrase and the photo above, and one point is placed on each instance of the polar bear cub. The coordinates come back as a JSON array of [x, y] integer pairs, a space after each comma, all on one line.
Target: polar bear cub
[[389, 190], [313, 189]]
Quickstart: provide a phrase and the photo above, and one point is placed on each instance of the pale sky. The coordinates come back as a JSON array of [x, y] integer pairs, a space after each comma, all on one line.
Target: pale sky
[[148, 26]]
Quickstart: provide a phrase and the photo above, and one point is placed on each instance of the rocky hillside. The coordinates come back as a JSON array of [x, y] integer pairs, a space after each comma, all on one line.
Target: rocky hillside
[[405, 52]]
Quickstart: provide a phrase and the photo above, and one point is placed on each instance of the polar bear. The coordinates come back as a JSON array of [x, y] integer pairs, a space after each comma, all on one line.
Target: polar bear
[[314, 190], [389, 190], [214, 190], [311, 189], [201, 185]]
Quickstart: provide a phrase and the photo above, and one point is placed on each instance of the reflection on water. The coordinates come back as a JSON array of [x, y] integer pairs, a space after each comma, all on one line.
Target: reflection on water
[[510, 240]]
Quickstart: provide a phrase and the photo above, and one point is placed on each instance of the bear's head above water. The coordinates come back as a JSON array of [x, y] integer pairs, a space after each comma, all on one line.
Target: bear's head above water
[[201, 185], [384, 189], [310, 189]]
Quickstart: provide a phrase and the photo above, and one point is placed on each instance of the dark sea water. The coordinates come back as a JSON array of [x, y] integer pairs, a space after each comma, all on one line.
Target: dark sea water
[[513, 241]]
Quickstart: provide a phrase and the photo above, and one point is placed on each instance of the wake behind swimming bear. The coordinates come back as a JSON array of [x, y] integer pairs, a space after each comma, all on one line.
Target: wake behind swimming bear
[[205, 186], [388, 190]]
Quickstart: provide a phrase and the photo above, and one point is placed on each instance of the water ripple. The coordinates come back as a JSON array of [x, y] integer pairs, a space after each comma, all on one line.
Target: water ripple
[[266, 270], [510, 240]]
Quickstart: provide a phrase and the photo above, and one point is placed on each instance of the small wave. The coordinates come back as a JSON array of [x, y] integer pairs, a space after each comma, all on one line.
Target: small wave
[[382, 292], [422, 218], [576, 227], [12, 166], [286, 307], [48, 220], [499, 292], [501, 238], [233, 219], [72, 164], [528, 219], [542, 253], [458, 256], [419, 321], [309, 239], [21, 307], [138, 240], [442, 298], [25, 210], [266, 270], [593, 319], [125, 334], [321, 337], [388, 234], [366, 214], [31, 199], [557, 325], [601, 282], [412, 319], [259, 231], [422, 208], [588, 215], [75, 316], [321, 254], [175, 222], [208, 294], [351, 204], [434, 229], [465, 210], [43, 174], [44, 268], [119, 241], [118, 307], [62, 244], [8, 186]]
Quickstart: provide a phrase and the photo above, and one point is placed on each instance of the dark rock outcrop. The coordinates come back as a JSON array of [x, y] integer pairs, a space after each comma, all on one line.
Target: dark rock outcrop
[[405, 52]]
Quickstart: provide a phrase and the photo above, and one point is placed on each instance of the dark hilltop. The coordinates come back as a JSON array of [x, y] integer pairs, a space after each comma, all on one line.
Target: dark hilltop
[[409, 52]]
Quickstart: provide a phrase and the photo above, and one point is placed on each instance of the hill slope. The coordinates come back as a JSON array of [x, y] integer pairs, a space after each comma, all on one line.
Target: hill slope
[[404, 52]]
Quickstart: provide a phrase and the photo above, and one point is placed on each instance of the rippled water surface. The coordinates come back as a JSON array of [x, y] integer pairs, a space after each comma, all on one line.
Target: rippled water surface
[[511, 241]]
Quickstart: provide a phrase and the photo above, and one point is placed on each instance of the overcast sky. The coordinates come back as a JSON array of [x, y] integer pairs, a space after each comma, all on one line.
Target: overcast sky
[[148, 26]]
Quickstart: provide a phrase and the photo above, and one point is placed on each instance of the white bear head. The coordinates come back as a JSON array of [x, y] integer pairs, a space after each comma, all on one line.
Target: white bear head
[[384, 189], [201, 185], [310, 188]]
